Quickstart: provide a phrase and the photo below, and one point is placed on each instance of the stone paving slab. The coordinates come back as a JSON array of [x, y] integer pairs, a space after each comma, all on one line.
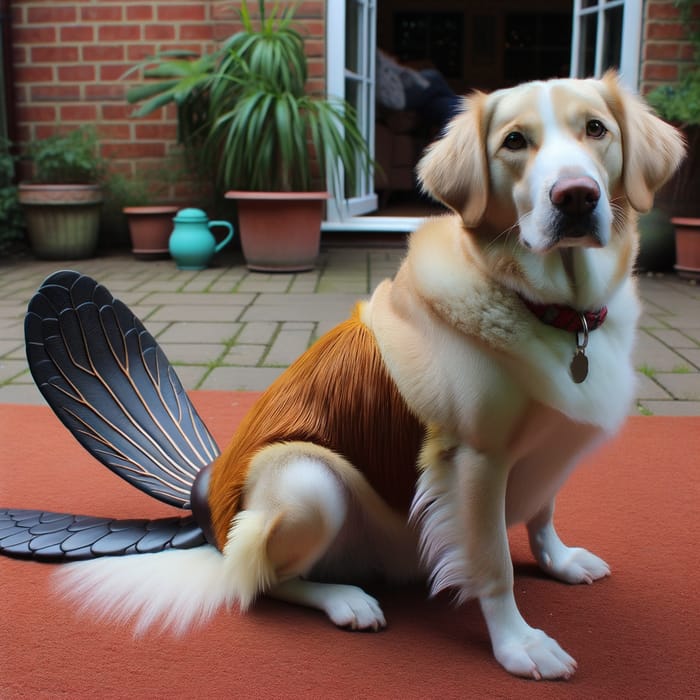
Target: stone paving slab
[[227, 328]]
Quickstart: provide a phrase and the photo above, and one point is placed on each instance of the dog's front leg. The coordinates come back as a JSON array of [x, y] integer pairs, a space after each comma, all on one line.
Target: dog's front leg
[[568, 564], [460, 508]]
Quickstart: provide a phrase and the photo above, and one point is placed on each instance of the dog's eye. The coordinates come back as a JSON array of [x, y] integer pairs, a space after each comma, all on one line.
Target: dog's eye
[[515, 141], [595, 129]]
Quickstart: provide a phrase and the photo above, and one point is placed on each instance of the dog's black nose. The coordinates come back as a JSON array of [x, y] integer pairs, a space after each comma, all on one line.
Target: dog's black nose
[[575, 196]]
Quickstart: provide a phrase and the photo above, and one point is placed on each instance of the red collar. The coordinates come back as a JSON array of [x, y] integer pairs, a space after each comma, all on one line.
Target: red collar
[[565, 317]]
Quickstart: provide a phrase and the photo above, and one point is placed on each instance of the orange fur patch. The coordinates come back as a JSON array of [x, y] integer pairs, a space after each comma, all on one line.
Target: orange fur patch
[[339, 395]]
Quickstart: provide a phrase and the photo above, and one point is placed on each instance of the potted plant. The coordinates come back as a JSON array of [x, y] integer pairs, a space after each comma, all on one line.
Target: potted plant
[[680, 104], [11, 219], [149, 218], [246, 110], [62, 200]]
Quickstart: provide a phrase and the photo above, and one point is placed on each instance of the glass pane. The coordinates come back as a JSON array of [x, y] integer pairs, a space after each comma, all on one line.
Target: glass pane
[[612, 42], [589, 29], [353, 27], [437, 37], [537, 46]]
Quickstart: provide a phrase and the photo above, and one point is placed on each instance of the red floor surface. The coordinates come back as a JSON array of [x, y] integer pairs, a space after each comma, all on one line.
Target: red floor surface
[[634, 635]]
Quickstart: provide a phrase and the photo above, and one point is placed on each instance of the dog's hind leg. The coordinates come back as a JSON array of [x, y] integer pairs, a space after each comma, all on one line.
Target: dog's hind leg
[[568, 564], [293, 512]]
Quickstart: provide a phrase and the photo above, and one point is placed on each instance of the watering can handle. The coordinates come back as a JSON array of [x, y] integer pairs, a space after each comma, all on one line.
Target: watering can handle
[[229, 235]]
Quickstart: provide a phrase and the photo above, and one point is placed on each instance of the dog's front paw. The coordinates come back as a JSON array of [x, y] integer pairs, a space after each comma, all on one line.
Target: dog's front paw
[[574, 565], [535, 655]]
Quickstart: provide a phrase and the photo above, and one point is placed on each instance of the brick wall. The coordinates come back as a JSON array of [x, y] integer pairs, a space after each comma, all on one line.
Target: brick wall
[[666, 47], [70, 56]]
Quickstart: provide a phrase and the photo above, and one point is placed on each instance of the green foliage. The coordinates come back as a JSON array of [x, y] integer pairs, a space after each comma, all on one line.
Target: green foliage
[[11, 219], [69, 158], [147, 187], [680, 103], [245, 112]]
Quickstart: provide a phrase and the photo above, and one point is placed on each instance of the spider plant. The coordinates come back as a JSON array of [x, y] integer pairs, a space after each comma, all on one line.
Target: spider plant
[[245, 111]]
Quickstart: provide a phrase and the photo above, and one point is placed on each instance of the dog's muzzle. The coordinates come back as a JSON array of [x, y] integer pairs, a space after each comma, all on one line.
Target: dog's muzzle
[[575, 200]]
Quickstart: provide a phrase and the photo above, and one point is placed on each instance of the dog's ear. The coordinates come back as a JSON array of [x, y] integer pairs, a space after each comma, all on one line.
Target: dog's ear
[[454, 169], [651, 148]]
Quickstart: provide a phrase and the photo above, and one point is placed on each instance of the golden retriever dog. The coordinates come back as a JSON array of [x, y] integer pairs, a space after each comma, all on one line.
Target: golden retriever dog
[[454, 403]]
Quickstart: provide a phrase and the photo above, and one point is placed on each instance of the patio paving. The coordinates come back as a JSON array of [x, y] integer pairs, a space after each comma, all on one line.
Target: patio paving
[[226, 328]]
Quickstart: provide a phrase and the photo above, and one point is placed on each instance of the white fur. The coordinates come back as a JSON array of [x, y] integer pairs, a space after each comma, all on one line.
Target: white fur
[[174, 590]]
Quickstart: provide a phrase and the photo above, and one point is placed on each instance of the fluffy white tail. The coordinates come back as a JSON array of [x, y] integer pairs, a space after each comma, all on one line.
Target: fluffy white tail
[[176, 589]]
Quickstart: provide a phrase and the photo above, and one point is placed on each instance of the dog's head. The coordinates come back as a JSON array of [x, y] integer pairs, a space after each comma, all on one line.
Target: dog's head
[[559, 162]]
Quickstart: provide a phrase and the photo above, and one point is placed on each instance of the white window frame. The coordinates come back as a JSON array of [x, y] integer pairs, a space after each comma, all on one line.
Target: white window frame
[[631, 38]]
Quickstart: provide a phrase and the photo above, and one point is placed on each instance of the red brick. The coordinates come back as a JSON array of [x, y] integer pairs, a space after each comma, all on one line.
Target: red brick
[[33, 74], [79, 73], [222, 11], [54, 54], [196, 31], [51, 15], [42, 131], [83, 32], [118, 32], [159, 32], [667, 31], [54, 93], [27, 114], [115, 132], [19, 55], [137, 52], [114, 71], [687, 53], [664, 51], [101, 13], [113, 112], [133, 150], [316, 68], [78, 113], [33, 35], [222, 30], [315, 48], [162, 131], [99, 52], [189, 12], [662, 10], [667, 72], [141, 13], [106, 93]]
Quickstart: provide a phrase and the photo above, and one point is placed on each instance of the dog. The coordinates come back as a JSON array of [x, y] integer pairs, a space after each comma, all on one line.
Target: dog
[[451, 405]]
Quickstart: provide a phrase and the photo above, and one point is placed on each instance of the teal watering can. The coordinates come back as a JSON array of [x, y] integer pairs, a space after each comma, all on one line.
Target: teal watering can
[[192, 244]]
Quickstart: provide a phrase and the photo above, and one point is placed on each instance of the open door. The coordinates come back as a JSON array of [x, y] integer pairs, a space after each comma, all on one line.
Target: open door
[[351, 38]]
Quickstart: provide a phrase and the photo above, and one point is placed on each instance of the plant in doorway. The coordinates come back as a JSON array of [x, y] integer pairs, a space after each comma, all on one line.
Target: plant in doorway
[[270, 145], [62, 200]]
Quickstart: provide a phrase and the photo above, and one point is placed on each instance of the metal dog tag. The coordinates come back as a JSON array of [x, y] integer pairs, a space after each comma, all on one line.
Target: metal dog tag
[[579, 366]]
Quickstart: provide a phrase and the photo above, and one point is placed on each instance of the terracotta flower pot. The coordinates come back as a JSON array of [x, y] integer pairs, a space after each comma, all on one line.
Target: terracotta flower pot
[[687, 247], [62, 220], [149, 230], [279, 231]]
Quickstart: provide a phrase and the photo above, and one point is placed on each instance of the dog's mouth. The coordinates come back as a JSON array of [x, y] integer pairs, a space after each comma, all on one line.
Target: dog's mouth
[[575, 231], [567, 232]]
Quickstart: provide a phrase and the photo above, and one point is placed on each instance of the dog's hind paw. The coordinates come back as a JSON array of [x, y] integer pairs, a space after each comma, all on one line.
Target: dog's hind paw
[[535, 655], [351, 607], [346, 606]]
